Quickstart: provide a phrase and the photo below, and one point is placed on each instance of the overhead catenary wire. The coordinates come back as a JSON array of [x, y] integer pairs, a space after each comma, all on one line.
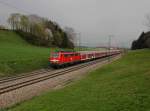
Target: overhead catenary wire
[[14, 7]]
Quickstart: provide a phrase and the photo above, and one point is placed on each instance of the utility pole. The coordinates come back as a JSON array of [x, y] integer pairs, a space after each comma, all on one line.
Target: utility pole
[[79, 40], [109, 46]]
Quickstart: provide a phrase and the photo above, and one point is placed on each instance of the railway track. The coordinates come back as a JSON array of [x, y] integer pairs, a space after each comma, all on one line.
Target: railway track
[[12, 78], [13, 86]]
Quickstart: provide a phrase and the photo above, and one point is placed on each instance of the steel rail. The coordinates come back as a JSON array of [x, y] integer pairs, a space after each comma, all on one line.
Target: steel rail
[[18, 85], [12, 78]]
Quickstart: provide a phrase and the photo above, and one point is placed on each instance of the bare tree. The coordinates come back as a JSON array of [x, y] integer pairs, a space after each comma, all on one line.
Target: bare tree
[[24, 23], [147, 21], [70, 33], [14, 21], [11, 22]]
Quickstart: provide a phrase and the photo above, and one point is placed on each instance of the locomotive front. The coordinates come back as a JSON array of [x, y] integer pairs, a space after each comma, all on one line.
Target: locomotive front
[[54, 58]]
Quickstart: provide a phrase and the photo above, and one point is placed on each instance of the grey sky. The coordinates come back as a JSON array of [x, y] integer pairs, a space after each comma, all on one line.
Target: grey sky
[[94, 19]]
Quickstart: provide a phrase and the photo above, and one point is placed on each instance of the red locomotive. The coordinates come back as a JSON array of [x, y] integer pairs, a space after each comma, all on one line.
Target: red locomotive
[[62, 58]]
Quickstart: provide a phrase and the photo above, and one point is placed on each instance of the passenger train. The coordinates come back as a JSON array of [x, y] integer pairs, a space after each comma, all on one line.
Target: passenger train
[[64, 58]]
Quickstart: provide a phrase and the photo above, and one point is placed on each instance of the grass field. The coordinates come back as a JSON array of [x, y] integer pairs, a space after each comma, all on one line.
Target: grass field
[[17, 56], [123, 85]]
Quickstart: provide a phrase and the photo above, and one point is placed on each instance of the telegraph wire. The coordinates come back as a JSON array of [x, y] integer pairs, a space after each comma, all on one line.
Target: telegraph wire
[[14, 7]]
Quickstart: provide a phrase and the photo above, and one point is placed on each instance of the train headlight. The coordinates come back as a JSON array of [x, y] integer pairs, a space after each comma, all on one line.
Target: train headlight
[[54, 60]]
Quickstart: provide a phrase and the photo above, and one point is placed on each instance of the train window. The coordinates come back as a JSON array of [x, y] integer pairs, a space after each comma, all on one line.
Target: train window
[[76, 54], [65, 55], [55, 55], [69, 55]]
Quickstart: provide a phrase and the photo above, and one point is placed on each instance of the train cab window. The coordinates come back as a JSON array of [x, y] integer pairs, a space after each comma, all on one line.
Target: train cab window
[[65, 55], [70, 55], [76, 54], [55, 55]]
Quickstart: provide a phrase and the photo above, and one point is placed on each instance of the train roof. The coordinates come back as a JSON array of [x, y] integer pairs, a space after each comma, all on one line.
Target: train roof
[[66, 52], [82, 52], [90, 52]]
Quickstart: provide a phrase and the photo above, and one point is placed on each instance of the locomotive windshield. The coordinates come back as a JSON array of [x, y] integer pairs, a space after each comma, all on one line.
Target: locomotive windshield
[[55, 55]]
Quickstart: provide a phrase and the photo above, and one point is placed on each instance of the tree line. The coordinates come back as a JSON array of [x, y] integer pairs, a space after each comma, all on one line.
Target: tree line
[[144, 40], [40, 31]]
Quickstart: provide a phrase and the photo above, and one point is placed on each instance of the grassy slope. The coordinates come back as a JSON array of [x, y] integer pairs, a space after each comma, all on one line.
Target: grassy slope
[[121, 86], [17, 56]]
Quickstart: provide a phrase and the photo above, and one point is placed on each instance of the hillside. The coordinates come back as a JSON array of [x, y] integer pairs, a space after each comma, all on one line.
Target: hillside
[[17, 56], [120, 86]]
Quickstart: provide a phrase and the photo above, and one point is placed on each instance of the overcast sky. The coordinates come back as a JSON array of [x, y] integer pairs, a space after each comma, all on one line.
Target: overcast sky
[[94, 19]]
